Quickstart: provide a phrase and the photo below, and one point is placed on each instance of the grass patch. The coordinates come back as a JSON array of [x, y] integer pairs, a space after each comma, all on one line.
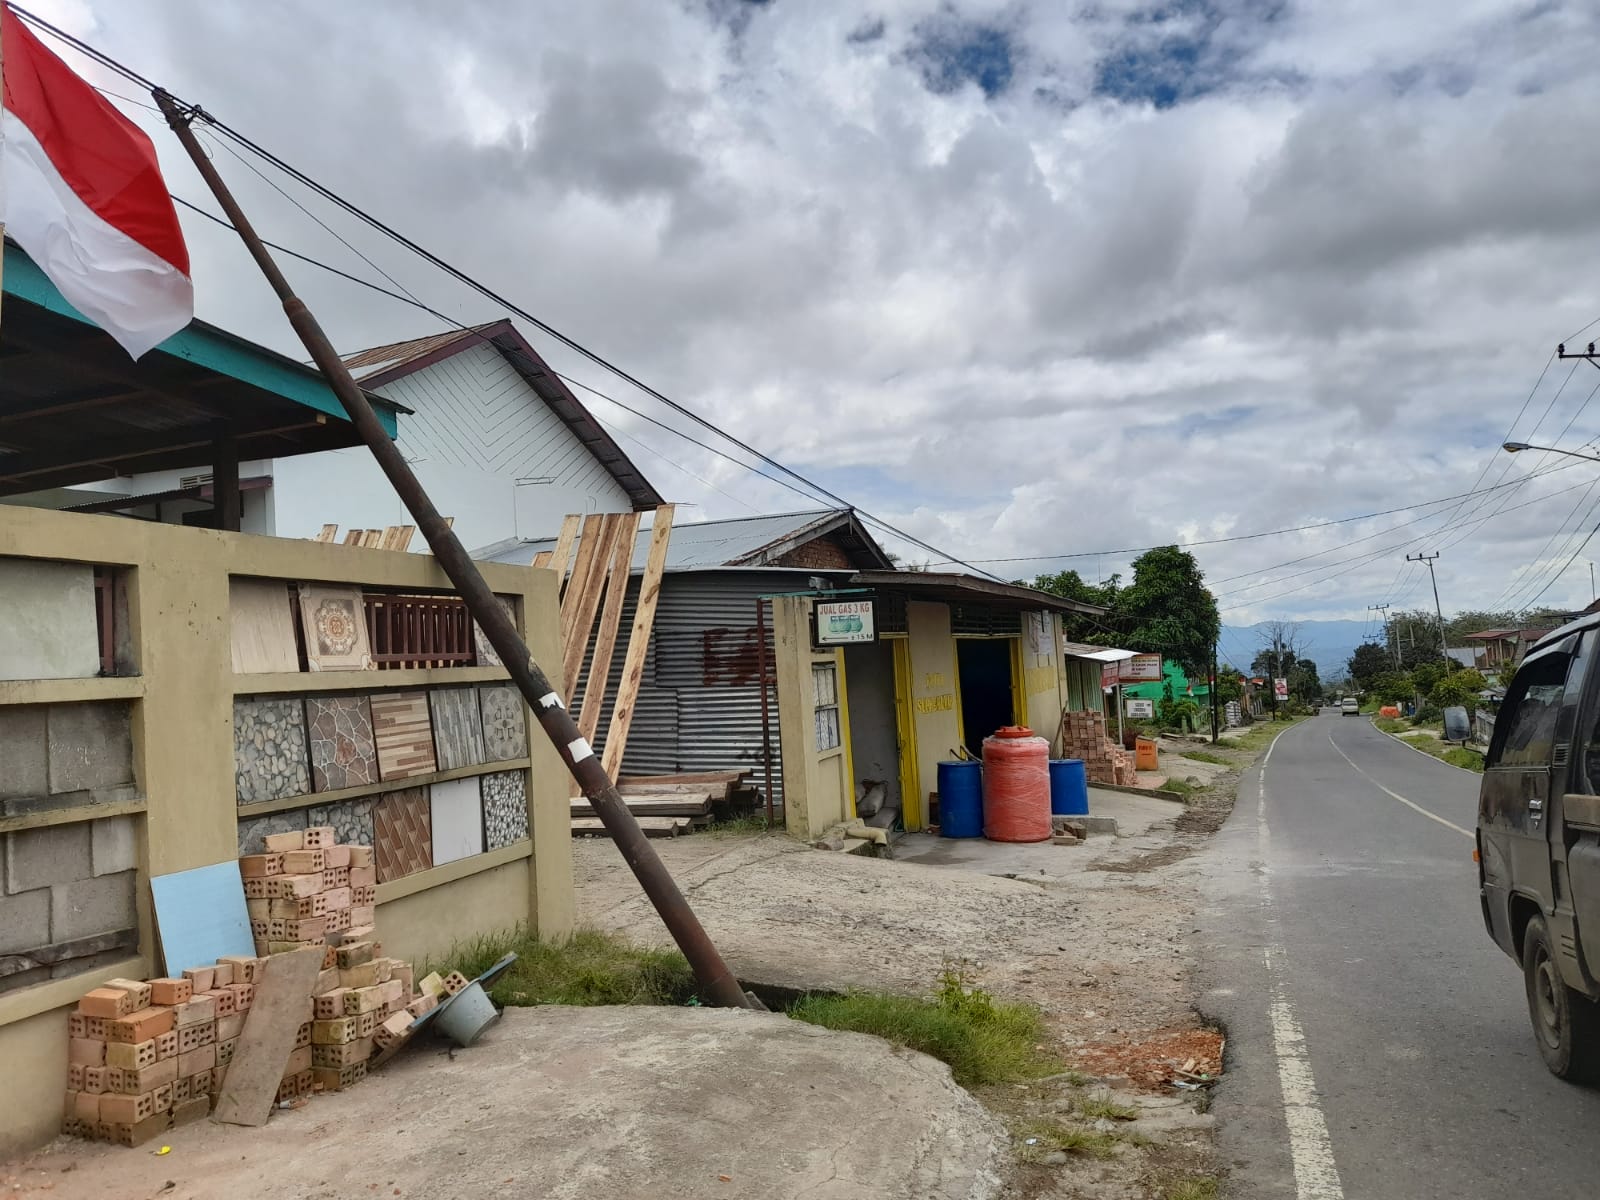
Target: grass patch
[[588, 968], [1207, 756], [1182, 786], [1456, 756], [1103, 1106], [1072, 1139], [1391, 724], [736, 826], [1195, 1187], [1259, 736], [983, 1039]]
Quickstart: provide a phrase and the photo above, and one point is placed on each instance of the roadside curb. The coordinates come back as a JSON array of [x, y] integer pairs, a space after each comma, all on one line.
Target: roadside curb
[[1396, 737]]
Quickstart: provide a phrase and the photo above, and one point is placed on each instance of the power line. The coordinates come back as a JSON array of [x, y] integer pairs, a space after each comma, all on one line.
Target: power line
[[199, 114]]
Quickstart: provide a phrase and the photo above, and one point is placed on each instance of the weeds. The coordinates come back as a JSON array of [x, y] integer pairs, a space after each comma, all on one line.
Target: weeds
[[738, 826], [1102, 1106], [984, 1040], [1206, 756], [1391, 724], [588, 968], [1182, 787], [1194, 1187], [1039, 1138]]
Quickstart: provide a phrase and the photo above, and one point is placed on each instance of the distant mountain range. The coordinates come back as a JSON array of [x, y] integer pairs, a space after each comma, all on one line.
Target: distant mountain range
[[1329, 644]]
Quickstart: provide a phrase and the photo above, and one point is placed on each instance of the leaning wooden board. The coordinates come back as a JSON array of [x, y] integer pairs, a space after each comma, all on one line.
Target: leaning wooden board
[[282, 996]]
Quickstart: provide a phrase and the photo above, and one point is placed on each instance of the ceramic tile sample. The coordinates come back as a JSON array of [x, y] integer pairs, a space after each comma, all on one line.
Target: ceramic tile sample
[[351, 820], [269, 749], [334, 620], [403, 734], [52, 631], [402, 837], [457, 820], [487, 657], [505, 808], [457, 727], [505, 723], [340, 732], [253, 829], [261, 620]]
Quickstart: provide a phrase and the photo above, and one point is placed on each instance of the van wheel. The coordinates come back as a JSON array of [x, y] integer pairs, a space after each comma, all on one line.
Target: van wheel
[[1566, 1024]]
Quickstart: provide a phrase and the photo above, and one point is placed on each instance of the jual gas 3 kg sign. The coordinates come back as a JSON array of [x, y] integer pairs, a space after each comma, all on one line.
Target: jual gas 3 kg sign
[[840, 622]]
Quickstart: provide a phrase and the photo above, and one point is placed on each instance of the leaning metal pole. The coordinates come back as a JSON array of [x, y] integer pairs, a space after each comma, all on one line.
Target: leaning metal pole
[[716, 981]]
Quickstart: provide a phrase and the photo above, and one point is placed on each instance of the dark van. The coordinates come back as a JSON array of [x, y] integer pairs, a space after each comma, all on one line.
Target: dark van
[[1539, 842]]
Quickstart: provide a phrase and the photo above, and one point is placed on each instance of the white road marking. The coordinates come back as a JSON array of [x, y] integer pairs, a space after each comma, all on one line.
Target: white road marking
[[1316, 1175], [1432, 816]]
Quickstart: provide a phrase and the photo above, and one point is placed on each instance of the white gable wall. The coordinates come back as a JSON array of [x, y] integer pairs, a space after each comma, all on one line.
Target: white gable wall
[[488, 449]]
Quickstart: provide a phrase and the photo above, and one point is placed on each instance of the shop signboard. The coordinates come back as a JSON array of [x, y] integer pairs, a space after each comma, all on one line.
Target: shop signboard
[[841, 622], [1142, 668]]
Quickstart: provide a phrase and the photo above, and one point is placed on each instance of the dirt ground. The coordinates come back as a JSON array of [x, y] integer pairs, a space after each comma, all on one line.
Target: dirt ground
[[1098, 935]]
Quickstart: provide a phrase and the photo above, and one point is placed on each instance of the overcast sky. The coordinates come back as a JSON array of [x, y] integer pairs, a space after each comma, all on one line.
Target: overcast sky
[[1026, 279]]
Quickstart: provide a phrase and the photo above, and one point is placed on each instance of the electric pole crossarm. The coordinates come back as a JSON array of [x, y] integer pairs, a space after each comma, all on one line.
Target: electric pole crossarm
[[1444, 643]]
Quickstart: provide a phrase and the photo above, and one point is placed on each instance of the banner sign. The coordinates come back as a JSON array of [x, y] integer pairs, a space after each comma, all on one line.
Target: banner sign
[[840, 622], [1142, 668], [1141, 708], [1280, 688]]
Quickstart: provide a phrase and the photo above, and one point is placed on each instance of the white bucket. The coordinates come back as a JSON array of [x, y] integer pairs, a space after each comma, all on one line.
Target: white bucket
[[467, 1014]]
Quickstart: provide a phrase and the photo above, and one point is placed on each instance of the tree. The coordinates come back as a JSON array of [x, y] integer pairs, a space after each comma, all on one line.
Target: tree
[[1369, 662], [1168, 610], [1227, 684], [1069, 585], [1416, 633], [1461, 688], [1303, 682], [1392, 687], [1425, 676]]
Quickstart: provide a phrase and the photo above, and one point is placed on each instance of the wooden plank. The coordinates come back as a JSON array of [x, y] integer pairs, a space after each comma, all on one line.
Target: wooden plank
[[562, 557], [587, 604], [406, 536], [353, 537], [652, 826], [542, 559], [327, 533], [274, 1020], [372, 539], [644, 619], [728, 777], [605, 641], [582, 568], [261, 627]]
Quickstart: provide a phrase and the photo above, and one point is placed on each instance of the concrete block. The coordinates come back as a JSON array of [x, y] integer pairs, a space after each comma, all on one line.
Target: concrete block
[[91, 906], [22, 750], [25, 921], [90, 745], [48, 628], [56, 854], [114, 844]]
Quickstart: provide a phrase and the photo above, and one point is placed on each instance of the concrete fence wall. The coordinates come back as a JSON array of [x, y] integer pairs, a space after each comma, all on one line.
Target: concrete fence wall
[[109, 779]]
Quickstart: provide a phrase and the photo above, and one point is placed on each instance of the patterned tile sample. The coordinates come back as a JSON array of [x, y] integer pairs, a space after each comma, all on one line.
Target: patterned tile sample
[[402, 833], [505, 724], [351, 820], [457, 820], [253, 829], [334, 620], [505, 808], [403, 734], [457, 727], [340, 732], [269, 749], [487, 657]]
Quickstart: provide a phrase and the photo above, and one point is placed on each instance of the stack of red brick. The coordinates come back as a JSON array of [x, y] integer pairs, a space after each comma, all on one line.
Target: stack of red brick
[[145, 1057], [1083, 735], [305, 887]]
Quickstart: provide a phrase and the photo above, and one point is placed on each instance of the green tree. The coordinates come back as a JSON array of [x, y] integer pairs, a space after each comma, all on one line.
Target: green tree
[[1393, 687], [1228, 686], [1168, 610], [1304, 683], [1069, 585], [1460, 688], [1426, 675], [1369, 662]]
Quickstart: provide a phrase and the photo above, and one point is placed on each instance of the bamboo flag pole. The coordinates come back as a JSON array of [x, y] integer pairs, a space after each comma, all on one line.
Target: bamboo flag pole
[[716, 981]]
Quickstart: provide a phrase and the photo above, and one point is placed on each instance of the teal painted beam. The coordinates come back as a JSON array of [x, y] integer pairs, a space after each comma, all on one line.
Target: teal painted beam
[[204, 345]]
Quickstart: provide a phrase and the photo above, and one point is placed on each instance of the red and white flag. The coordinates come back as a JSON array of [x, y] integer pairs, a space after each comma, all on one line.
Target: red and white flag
[[82, 193]]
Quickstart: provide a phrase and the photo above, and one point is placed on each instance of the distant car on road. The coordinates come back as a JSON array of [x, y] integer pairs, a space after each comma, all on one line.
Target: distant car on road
[[1350, 706], [1539, 842]]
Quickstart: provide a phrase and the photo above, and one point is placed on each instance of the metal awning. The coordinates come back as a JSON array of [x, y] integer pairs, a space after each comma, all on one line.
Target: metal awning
[[969, 589], [75, 408], [1101, 654]]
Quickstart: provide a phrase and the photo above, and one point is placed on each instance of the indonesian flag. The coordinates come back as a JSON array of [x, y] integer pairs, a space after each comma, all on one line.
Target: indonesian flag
[[81, 192]]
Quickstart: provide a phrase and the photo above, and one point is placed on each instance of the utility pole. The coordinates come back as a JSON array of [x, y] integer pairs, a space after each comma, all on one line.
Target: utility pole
[[1392, 642], [1444, 644], [1215, 683]]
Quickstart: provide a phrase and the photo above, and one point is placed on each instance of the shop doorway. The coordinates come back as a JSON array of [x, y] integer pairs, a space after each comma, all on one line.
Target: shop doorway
[[984, 665], [869, 673]]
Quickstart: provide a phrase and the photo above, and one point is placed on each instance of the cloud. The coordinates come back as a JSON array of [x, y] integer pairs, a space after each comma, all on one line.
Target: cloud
[[1026, 279]]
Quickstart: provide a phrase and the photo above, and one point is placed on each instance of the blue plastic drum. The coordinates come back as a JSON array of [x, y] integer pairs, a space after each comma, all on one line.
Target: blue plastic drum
[[960, 799], [1069, 788]]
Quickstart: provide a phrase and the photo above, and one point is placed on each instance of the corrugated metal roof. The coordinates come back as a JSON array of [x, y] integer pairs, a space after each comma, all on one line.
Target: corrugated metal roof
[[383, 358], [742, 541]]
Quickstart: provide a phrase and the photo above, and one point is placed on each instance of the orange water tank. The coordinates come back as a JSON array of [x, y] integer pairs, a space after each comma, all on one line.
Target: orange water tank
[[1016, 786], [1389, 710]]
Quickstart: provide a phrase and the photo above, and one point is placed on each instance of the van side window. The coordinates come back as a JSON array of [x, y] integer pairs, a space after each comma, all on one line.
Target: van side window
[[1525, 730]]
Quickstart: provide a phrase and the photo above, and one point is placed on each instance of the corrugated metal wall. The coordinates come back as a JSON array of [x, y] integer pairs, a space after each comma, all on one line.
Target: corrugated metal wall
[[699, 704]]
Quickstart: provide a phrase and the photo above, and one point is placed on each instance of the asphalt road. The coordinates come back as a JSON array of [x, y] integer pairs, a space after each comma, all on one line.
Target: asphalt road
[[1378, 1041]]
